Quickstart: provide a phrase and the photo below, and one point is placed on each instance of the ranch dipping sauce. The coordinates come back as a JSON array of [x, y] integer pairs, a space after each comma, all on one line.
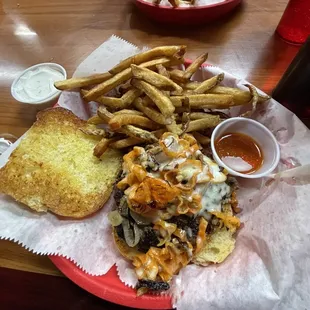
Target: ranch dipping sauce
[[37, 84]]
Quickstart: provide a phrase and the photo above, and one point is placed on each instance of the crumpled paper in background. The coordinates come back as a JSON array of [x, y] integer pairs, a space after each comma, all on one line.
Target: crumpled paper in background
[[270, 267]]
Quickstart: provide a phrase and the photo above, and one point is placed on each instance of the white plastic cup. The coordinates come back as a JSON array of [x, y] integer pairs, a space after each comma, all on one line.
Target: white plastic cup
[[48, 101], [263, 137]]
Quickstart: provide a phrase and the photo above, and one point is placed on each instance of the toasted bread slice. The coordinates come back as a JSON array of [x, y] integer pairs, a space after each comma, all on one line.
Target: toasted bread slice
[[54, 169], [216, 250]]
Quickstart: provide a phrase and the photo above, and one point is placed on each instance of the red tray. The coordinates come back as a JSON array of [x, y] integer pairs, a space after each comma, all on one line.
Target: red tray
[[109, 287], [186, 16]]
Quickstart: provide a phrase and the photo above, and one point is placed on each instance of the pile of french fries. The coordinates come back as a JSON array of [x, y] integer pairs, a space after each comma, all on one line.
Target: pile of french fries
[[176, 3], [154, 96]]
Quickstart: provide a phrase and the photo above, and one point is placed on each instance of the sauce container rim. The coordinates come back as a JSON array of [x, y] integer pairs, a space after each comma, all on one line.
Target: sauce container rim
[[240, 174], [52, 96]]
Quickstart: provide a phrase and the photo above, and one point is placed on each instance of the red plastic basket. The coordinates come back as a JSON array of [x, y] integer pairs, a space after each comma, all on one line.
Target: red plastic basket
[[186, 15], [109, 287]]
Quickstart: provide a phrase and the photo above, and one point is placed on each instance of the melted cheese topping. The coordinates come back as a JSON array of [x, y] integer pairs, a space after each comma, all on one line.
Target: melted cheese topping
[[174, 177], [212, 195]]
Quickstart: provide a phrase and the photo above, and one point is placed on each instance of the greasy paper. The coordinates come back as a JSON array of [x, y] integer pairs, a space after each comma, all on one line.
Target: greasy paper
[[270, 267]]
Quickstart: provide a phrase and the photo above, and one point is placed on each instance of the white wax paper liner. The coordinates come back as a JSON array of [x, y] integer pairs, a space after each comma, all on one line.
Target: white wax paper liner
[[269, 268]]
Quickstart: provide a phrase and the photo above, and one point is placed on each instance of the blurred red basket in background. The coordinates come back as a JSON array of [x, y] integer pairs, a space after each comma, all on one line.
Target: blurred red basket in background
[[186, 15]]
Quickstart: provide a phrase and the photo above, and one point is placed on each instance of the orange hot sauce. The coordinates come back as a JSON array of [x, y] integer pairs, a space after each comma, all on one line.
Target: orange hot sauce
[[241, 146]]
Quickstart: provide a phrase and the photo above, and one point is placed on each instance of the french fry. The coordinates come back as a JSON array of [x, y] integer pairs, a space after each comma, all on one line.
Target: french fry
[[123, 76], [104, 114], [203, 123], [174, 127], [163, 71], [117, 121], [131, 141], [108, 85], [241, 97], [263, 98], [83, 92], [129, 97], [124, 87], [184, 93], [101, 147], [178, 76], [162, 51], [111, 102], [136, 132], [155, 79], [82, 82], [165, 61], [202, 139], [255, 96], [185, 116], [94, 132], [127, 142], [174, 3], [118, 103], [107, 116], [163, 102], [191, 85], [187, 92], [198, 115], [95, 120], [166, 93], [206, 85], [195, 65], [149, 102], [254, 101], [208, 101], [180, 110], [132, 112], [151, 113]]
